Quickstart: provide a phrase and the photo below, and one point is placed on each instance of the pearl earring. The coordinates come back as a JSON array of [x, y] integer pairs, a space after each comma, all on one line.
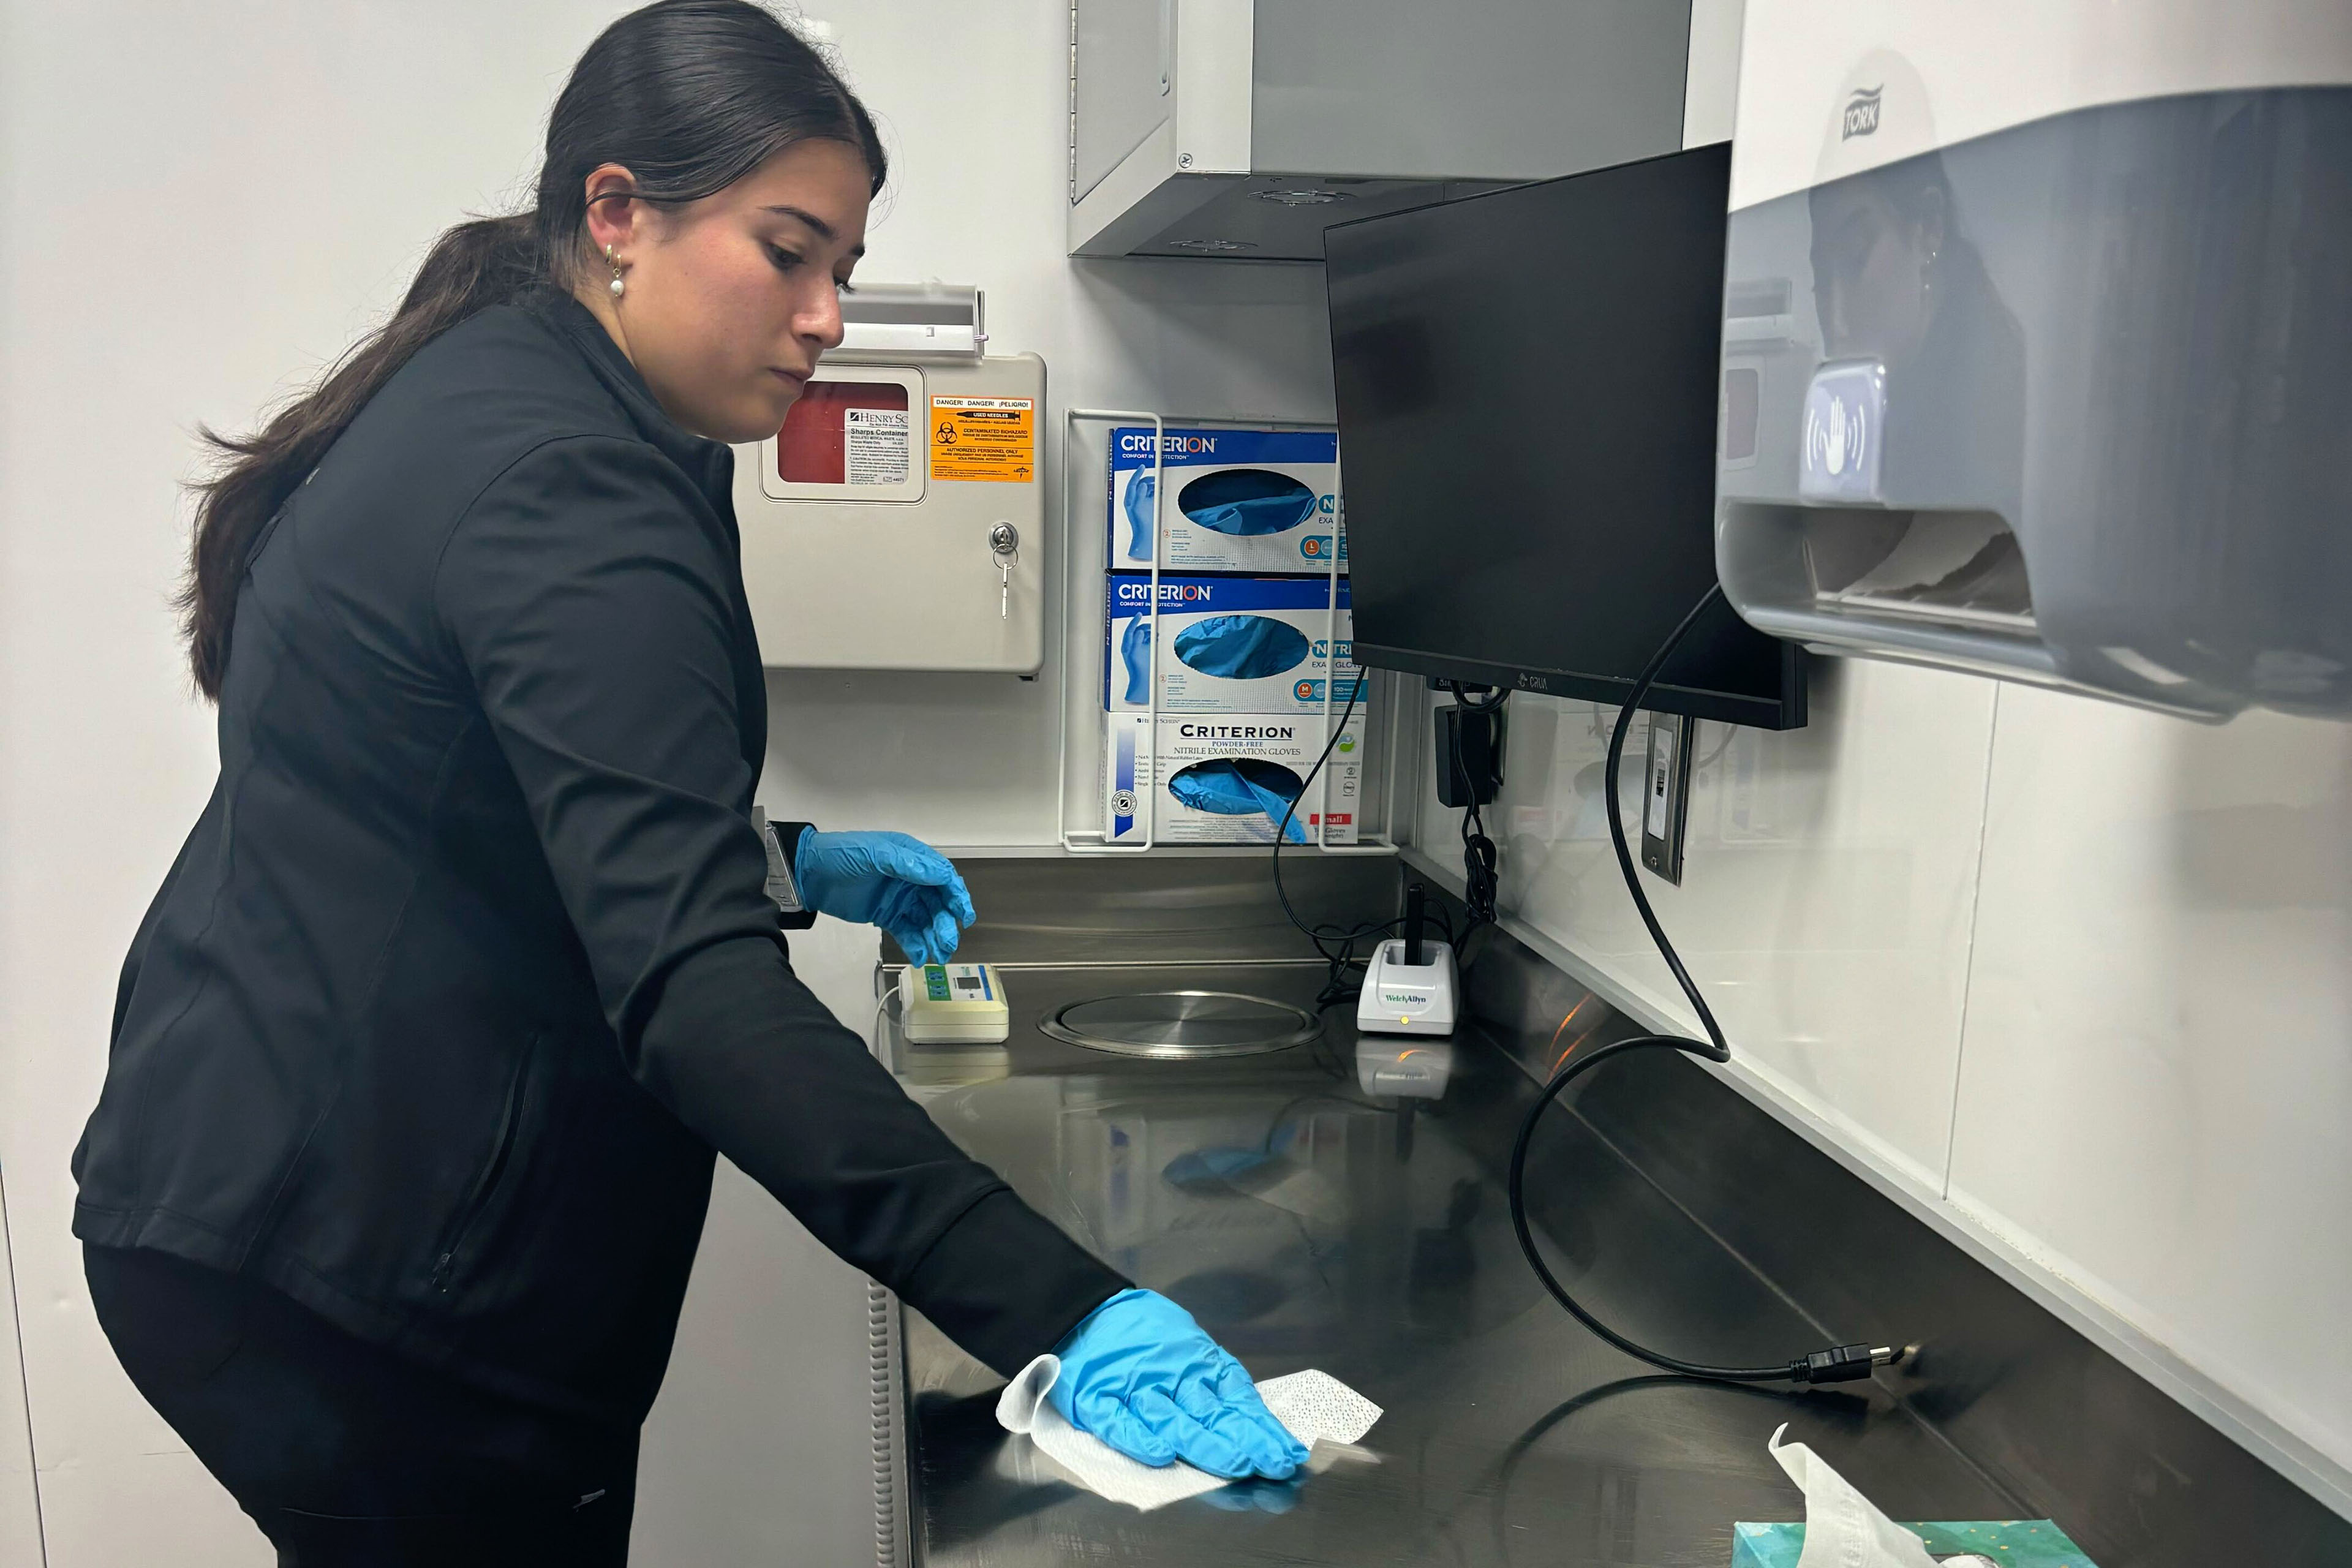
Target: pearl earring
[[617, 285]]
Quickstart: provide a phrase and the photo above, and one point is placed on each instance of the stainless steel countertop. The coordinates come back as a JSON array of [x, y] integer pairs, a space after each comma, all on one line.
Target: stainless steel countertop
[[1307, 1222]]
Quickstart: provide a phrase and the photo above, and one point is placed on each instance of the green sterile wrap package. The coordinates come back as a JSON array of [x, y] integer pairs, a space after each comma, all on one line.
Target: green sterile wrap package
[[1845, 1529], [2012, 1543]]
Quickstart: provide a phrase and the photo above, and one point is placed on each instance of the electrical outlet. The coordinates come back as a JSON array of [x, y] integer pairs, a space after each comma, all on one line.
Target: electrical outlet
[[1666, 794]]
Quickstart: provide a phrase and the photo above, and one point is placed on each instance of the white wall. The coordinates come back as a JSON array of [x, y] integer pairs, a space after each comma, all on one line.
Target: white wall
[[202, 203], [2072, 980], [20, 1503]]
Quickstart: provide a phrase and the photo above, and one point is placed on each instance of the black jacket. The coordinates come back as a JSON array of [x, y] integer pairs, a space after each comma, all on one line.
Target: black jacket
[[468, 967]]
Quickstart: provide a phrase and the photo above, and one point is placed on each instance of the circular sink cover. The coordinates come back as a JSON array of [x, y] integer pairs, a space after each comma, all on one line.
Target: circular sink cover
[[1183, 1024]]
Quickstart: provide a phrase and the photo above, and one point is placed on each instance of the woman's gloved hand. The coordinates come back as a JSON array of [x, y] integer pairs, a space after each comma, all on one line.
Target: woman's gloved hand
[[889, 879], [1140, 1374]]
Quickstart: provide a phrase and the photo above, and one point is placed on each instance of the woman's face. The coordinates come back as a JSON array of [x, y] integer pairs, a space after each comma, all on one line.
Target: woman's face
[[727, 301]]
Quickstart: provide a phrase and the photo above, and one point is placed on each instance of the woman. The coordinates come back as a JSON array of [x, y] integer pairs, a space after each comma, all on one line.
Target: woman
[[423, 1051]]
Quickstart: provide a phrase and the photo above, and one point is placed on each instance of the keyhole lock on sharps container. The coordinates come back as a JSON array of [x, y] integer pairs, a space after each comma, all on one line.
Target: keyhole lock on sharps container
[[882, 525], [1004, 549]]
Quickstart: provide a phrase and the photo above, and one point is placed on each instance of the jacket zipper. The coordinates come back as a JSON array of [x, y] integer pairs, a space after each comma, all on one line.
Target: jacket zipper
[[486, 1185]]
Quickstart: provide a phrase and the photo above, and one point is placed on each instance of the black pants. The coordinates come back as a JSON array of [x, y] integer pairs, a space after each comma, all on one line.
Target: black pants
[[347, 1455]]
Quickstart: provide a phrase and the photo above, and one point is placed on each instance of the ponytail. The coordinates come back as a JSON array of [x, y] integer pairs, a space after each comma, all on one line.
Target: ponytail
[[689, 95], [473, 265]]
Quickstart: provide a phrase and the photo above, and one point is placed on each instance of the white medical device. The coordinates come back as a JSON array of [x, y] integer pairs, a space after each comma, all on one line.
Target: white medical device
[[897, 521], [1402, 997], [1409, 986], [2034, 344], [954, 1003]]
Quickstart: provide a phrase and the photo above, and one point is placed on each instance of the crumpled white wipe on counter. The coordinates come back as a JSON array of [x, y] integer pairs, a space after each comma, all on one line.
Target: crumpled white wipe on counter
[[1844, 1529], [1315, 1406]]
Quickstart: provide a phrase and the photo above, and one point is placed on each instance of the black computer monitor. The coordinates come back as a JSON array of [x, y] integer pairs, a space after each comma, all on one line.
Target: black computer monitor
[[1527, 386]]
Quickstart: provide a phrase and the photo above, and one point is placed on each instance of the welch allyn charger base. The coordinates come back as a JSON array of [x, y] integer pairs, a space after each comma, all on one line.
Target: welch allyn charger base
[[1401, 997], [1409, 985]]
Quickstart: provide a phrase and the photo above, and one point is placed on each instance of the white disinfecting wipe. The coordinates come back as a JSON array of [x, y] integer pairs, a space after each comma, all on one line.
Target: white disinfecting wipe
[[1316, 1406], [1844, 1529]]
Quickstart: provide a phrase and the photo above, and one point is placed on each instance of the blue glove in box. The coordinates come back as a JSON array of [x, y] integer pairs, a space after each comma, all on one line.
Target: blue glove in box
[[1228, 779], [1263, 501], [1228, 644]]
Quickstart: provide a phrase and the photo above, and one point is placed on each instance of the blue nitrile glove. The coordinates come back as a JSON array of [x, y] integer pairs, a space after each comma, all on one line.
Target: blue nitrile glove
[[1239, 787], [1139, 517], [1140, 1374], [901, 884], [1135, 651], [1241, 647], [1244, 501]]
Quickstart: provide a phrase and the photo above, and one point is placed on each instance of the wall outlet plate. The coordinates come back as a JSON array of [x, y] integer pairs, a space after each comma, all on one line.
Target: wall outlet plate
[[1665, 793]]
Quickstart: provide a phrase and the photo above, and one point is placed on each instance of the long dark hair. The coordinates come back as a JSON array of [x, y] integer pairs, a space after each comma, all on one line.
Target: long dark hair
[[689, 96]]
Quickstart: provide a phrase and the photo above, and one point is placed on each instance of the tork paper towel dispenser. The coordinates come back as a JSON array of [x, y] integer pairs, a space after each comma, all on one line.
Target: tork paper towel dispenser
[[2038, 348]]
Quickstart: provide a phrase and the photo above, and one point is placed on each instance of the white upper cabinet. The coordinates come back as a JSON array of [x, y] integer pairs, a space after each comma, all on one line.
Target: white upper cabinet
[[1242, 128]]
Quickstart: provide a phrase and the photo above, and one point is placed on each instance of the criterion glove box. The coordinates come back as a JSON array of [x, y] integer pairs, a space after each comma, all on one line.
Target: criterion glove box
[[1230, 645], [1227, 779], [1261, 502]]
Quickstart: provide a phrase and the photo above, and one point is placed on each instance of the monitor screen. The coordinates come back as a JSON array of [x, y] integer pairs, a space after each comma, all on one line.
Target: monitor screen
[[1527, 395]]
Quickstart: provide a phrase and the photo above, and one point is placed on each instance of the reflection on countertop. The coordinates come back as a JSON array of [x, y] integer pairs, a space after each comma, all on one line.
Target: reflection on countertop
[[1338, 1206]]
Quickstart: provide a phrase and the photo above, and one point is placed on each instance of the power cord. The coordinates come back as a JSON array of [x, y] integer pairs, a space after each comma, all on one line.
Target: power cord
[[1336, 943], [1838, 1363], [1479, 878]]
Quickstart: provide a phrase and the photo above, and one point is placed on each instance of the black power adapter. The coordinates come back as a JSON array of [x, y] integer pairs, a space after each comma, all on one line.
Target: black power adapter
[[1469, 755], [1469, 772]]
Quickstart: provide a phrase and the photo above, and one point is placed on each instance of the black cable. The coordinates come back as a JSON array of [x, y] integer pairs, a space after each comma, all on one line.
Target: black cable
[[1838, 1363], [1335, 943], [1480, 880], [1719, 1049], [1486, 704]]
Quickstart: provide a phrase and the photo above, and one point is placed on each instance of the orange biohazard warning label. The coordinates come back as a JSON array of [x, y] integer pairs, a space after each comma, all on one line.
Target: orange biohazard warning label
[[984, 438]]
